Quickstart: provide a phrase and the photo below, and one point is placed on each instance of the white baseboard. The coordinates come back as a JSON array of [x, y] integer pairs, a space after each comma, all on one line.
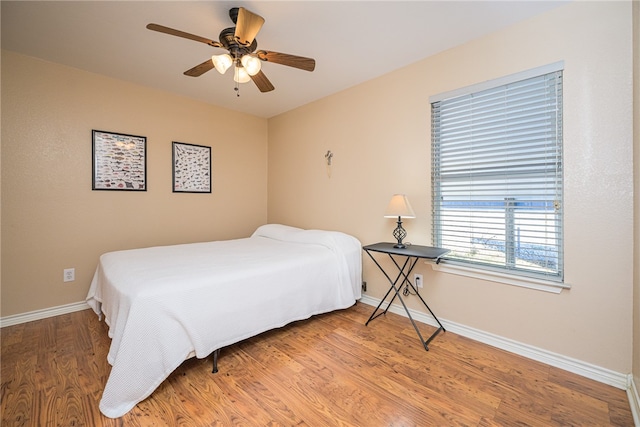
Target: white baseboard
[[16, 319], [579, 367], [634, 400]]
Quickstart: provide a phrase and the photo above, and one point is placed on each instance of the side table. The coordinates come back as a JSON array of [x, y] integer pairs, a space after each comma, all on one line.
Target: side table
[[411, 255]]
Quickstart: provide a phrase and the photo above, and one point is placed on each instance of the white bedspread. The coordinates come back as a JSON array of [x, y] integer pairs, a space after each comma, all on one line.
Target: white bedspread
[[164, 304]]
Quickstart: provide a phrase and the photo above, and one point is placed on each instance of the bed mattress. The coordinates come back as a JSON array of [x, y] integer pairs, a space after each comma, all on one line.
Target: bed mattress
[[165, 304]]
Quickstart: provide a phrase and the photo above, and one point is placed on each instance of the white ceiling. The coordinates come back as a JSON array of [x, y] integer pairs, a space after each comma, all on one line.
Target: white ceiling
[[351, 41]]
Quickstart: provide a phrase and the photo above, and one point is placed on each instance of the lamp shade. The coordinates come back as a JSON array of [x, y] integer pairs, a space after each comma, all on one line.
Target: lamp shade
[[222, 62], [251, 64], [241, 75], [399, 206]]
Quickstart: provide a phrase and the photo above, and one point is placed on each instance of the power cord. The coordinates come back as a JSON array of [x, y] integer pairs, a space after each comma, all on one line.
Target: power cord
[[407, 290]]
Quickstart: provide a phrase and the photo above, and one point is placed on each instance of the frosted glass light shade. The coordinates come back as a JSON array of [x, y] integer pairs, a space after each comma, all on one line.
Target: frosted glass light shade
[[251, 64], [222, 62], [241, 75]]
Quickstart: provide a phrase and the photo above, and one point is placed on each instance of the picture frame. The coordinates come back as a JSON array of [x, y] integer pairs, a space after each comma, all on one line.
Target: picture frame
[[119, 161], [191, 168]]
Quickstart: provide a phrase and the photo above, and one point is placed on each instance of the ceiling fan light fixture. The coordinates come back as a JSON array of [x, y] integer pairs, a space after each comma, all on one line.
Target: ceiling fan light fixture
[[222, 62], [251, 64], [240, 42], [241, 75]]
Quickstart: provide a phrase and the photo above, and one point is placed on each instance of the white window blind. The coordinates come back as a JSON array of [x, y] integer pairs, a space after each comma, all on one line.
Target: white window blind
[[497, 175]]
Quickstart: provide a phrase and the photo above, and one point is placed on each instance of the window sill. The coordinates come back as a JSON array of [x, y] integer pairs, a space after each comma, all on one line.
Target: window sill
[[523, 282]]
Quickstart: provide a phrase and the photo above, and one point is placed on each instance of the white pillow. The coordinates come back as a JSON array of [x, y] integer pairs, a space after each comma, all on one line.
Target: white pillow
[[277, 231]]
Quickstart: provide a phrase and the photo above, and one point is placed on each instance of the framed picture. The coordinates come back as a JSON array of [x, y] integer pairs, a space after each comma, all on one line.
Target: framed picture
[[119, 161], [191, 168]]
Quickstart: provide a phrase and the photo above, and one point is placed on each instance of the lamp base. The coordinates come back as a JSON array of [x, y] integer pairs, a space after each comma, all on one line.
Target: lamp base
[[399, 233]]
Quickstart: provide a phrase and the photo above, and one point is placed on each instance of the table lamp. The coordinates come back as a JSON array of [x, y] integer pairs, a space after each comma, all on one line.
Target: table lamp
[[399, 207]]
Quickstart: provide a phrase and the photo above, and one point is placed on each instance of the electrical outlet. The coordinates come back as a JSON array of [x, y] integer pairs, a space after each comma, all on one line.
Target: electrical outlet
[[69, 274], [364, 286], [417, 280]]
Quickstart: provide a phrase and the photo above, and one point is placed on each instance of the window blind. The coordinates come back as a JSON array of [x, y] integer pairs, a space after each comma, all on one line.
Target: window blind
[[497, 176]]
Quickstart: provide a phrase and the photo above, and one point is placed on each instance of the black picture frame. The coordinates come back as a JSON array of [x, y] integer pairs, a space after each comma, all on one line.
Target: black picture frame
[[119, 161], [191, 168]]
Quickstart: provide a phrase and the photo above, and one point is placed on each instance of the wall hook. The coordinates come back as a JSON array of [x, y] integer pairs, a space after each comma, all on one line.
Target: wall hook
[[328, 156]]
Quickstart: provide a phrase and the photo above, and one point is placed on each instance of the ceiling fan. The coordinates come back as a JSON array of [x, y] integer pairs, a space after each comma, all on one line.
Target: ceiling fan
[[240, 42]]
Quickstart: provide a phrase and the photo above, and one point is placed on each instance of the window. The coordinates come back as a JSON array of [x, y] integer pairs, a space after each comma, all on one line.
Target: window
[[497, 174]]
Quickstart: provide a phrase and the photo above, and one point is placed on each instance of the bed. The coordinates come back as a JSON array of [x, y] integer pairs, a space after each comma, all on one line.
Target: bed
[[166, 304]]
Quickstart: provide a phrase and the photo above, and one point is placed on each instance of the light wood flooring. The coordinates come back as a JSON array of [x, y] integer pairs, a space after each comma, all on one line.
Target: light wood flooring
[[330, 370]]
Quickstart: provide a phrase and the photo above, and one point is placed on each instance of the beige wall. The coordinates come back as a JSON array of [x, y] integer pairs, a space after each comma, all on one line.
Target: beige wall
[[379, 133], [51, 219], [636, 144]]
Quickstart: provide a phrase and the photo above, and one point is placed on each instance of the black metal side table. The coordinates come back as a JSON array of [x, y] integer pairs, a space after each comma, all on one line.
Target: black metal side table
[[411, 256]]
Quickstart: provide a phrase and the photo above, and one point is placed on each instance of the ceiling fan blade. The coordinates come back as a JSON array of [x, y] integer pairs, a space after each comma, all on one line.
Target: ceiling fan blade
[[200, 69], [307, 64], [247, 26], [173, 32], [262, 82]]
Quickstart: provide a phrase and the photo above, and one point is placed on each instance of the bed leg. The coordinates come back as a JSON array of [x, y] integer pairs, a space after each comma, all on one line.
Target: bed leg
[[215, 360]]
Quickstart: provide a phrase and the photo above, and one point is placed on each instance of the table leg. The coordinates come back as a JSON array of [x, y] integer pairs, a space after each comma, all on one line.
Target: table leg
[[405, 279], [392, 288]]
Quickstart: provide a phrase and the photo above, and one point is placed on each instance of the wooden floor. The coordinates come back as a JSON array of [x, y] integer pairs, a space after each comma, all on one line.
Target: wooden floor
[[330, 370]]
